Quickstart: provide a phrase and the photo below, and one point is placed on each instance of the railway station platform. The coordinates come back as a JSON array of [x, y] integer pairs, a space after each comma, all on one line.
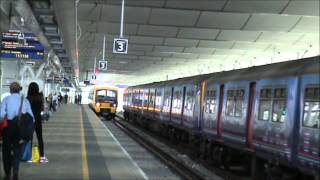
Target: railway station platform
[[79, 146]]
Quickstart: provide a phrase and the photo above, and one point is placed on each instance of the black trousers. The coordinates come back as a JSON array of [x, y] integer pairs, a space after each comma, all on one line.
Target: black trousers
[[10, 148], [38, 129]]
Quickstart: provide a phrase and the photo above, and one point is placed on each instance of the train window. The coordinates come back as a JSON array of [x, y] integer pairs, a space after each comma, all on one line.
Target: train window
[[235, 102], [279, 105], [230, 103], [311, 110], [265, 104], [145, 98], [158, 98], [106, 95], [210, 104], [177, 100], [167, 98], [151, 98], [239, 102], [189, 100]]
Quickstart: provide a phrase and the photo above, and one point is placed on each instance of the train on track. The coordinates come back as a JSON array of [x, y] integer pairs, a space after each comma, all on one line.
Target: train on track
[[103, 101], [265, 119]]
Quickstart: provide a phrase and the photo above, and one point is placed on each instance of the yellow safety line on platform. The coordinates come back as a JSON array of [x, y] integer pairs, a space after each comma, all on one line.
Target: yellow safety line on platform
[[85, 169]]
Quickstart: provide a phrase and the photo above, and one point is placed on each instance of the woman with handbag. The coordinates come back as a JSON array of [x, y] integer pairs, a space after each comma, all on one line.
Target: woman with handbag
[[37, 105], [11, 107]]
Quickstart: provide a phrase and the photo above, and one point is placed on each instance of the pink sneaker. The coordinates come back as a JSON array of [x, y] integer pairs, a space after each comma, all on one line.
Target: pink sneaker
[[44, 160]]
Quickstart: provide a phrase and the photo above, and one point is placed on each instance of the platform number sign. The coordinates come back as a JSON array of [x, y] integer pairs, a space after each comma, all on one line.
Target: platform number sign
[[102, 65], [120, 46]]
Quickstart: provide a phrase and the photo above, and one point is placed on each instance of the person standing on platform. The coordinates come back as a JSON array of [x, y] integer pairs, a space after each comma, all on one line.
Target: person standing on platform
[[66, 98], [55, 101], [11, 135], [37, 105], [79, 98]]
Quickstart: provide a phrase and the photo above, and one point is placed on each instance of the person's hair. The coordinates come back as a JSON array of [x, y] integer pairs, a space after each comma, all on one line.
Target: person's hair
[[33, 89], [15, 87]]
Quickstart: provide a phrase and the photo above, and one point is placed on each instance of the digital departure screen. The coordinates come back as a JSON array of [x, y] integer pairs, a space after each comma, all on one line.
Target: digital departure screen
[[17, 45]]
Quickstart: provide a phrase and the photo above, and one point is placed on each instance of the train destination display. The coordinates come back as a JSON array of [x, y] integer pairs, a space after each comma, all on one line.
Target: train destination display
[[17, 45]]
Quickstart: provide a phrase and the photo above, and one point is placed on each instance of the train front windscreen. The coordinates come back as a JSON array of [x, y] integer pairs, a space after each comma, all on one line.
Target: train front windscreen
[[105, 95]]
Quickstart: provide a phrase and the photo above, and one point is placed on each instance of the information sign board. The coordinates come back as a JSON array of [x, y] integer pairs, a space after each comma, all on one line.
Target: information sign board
[[17, 45], [120, 46], [102, 65]]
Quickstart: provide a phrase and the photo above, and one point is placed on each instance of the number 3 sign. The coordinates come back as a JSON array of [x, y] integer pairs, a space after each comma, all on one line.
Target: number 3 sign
[[120, 46]]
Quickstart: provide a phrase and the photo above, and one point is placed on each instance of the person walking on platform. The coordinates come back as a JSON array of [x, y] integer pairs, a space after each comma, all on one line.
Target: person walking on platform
[[50, 102], [37, 105], [11, 135], [59, 99]]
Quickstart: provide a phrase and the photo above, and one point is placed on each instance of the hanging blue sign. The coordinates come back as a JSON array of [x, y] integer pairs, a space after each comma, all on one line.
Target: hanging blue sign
[[17, 45]]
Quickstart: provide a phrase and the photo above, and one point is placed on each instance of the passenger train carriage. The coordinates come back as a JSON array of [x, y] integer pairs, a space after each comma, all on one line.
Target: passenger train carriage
[[260, 115], [103, 100]]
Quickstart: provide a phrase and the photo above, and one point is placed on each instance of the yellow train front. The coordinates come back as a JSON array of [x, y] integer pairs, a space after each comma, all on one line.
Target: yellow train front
[[103, 100]]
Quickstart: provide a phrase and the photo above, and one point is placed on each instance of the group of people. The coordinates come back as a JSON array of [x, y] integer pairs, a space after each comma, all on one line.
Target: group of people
[[54, 100], [11, 146]]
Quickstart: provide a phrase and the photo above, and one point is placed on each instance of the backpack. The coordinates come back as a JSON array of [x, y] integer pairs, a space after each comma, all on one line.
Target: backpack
[[25, 124]]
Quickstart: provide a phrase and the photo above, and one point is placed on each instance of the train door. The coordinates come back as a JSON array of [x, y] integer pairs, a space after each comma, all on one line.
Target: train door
[[166, 107], [177, 103], [274, 119], [236, 98], [309, 135], [158, 102], [188, 118], [210, 110]]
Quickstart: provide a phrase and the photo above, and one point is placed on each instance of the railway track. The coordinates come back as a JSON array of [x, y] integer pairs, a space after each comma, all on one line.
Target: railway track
[[177, 162]]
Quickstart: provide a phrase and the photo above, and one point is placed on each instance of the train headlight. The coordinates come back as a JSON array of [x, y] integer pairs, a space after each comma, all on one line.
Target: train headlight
[[98, 104], [114, 105]]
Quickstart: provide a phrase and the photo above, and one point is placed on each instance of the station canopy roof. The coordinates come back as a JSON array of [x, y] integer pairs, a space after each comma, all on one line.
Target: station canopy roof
[[175, 38]]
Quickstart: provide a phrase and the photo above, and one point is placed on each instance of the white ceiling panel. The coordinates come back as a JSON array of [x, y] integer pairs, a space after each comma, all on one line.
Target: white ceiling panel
[[279, 37], [271, 22], [199, 50], [88, 11], [173, 59], [132, 14], [136, 47], [149, 30], [198, 33], [198, 4], [303, 7], [228, 52], [122, 56], [136, 53], [181, 42], [238, 35], [114, 28], [146, 40], [168, 49], [185, 55], [250, 46], [222, 20], [307, 25], [203, 56], [173, 17], [216, 44], [254, 6], [150, 58], [158, 54], [142, 3], [309, 39]]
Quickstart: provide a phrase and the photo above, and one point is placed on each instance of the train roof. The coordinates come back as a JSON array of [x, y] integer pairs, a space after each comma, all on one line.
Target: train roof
[[105, 87], [282, 69]]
